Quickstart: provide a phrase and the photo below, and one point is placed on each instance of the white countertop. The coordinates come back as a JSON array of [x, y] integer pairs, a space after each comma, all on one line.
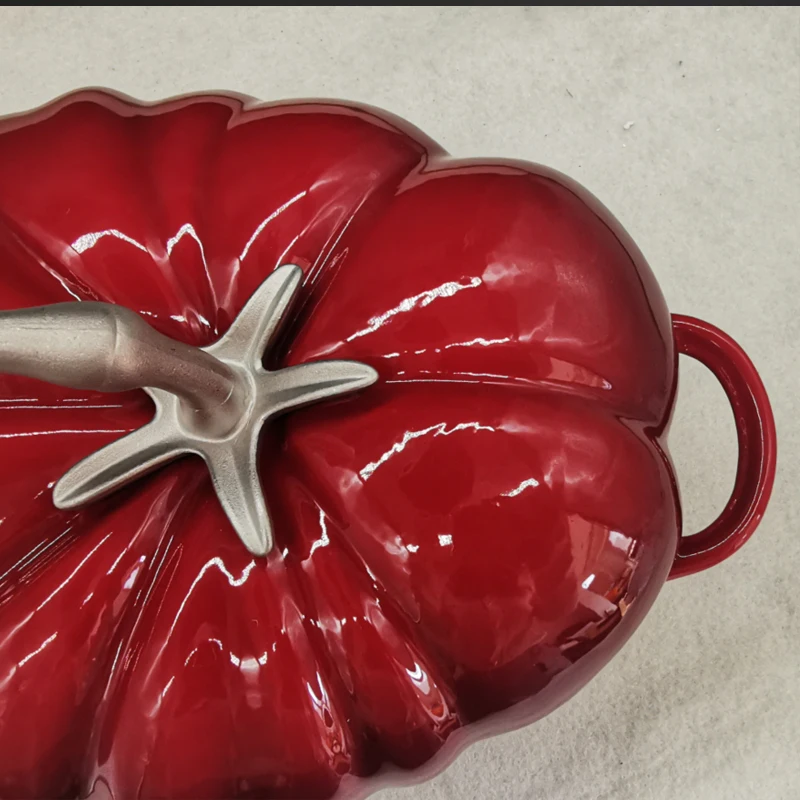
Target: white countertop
[[704, 702]]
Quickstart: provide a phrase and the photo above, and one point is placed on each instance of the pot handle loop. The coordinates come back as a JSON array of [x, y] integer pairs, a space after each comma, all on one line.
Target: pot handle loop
[[755, 431]]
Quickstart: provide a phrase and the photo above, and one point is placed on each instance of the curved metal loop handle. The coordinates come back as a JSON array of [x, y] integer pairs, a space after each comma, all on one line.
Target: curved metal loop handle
[[755, 431]]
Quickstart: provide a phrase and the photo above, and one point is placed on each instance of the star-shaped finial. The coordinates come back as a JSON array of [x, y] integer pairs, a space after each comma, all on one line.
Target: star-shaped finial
[[225, 435]]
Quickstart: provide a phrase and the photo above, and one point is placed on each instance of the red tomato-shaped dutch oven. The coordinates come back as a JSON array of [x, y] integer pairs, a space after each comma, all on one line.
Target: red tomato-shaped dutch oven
[[457, 548]]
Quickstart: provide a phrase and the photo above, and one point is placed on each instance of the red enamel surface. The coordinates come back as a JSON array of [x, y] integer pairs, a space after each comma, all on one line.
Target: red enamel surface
[[459, 549]]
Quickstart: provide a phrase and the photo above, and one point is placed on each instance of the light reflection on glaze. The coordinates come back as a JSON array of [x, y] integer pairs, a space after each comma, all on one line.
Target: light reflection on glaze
[[620, 540], [437, 430], [89, 240], [420, 300], [187, 229], [38, 649], [323, 540], [528, 483], [218, 563], [67, 581], [479, 340], [60, 432], [263, 224]]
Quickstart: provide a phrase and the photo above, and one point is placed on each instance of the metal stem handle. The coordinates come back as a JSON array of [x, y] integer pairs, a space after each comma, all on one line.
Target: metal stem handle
[[109, 348], [210, 402]]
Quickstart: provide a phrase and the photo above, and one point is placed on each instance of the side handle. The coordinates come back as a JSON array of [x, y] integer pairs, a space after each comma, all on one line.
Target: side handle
[[755, 430]]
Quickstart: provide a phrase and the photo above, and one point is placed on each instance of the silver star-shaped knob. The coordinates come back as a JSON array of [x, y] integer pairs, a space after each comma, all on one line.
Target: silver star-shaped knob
[[210, 401]]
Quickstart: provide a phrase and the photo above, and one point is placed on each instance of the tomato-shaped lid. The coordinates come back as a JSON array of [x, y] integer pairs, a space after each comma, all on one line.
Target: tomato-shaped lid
[[455, 549]]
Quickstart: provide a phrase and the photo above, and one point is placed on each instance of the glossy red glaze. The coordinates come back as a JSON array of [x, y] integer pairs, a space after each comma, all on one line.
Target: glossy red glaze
[[459, 549], [755, 431]]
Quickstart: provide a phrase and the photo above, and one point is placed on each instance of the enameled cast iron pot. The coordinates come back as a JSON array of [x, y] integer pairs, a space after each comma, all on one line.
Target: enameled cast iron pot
[[454, 542]]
